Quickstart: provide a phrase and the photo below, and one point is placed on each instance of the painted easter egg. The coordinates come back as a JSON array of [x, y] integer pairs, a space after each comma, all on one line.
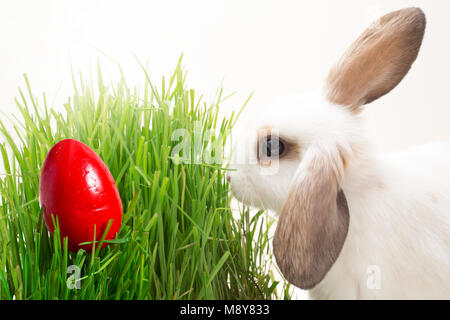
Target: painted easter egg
[[77, 189]]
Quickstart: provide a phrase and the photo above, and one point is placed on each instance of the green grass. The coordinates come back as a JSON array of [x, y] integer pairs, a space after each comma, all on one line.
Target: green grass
[[178, 238]]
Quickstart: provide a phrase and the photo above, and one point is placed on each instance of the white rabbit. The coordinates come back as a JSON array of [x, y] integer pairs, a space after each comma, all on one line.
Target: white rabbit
[[352, 224]]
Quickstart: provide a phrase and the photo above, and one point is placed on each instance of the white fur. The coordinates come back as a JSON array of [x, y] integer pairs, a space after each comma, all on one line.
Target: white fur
[[399, 203]]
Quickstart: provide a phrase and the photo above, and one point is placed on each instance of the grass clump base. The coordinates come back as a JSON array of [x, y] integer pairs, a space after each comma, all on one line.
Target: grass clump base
[[178, 239]]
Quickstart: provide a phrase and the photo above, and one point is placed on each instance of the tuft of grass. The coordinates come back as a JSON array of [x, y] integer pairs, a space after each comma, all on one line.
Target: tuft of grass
[[178, 238]]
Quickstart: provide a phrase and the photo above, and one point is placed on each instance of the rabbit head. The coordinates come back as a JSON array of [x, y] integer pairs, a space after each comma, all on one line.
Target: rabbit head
[[294, 157]]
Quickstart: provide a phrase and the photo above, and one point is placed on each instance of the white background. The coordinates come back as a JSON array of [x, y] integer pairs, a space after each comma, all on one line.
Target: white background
[[276, 48]]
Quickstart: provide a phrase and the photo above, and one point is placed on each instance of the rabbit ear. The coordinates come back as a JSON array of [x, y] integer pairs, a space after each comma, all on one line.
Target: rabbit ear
[[378, 60], [313, 222]]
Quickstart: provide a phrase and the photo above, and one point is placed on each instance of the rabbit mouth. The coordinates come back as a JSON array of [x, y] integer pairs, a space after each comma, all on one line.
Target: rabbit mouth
[[244, 191]]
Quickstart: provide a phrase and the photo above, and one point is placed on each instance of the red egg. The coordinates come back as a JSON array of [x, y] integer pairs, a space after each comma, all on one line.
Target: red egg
[[78, 189]]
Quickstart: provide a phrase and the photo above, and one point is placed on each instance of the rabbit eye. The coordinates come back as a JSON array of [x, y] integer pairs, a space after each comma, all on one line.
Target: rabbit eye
[[272, 147]]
